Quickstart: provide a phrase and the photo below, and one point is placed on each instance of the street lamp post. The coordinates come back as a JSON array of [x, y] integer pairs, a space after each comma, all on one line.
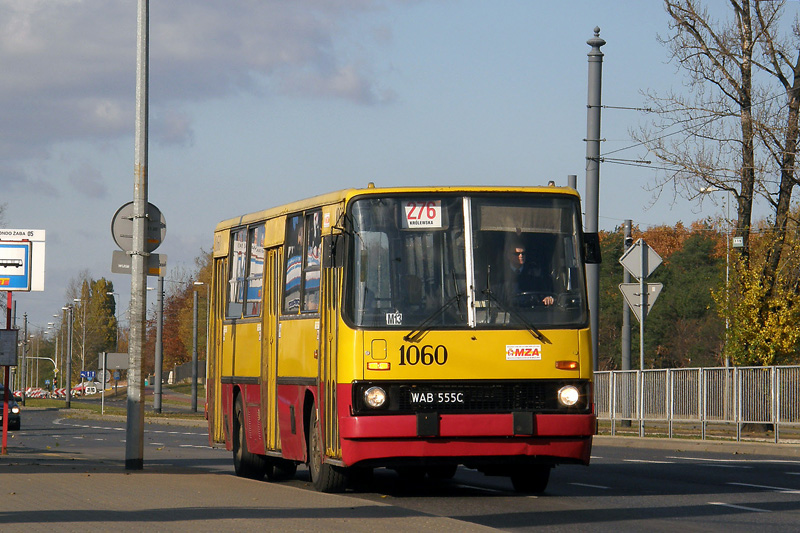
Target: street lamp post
[[83, 335], [194, 348], [707, 190], [68, 380]]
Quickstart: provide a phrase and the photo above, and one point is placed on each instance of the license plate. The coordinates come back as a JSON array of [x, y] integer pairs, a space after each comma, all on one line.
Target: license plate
[[437, 397]]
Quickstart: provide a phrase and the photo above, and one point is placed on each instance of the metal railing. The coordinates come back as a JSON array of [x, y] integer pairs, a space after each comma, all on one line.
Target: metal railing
[[768, 397]]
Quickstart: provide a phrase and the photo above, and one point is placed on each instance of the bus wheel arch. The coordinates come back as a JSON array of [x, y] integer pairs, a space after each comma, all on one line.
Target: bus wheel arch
[[324, 476], [245, 463]]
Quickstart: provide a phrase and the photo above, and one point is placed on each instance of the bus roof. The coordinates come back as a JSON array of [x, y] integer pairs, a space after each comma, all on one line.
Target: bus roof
[[346, 194]]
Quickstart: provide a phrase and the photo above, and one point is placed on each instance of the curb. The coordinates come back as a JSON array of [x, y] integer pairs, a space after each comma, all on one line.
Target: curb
[[160, 420], [732, 447]]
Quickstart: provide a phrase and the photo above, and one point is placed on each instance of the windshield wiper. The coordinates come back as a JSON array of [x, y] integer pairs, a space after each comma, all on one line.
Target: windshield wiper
[[416, 334], [530, 327]]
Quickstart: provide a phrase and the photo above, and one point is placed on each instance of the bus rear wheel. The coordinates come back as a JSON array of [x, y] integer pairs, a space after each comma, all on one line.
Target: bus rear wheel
[[531, 479], [324, 476], [245, 464]]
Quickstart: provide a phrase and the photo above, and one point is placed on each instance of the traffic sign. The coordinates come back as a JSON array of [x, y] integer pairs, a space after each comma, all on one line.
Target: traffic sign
[[122, 227], [640, 260], [8, 347], [121, 263], [22, 253], [633, 296]]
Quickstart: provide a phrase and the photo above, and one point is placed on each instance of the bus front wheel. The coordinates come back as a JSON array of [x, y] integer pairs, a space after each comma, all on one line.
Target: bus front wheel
[[531, 479], [245, 464], [324, 476]]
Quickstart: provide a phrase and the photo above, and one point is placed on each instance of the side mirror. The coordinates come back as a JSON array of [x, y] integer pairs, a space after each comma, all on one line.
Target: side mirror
[[591, 249]]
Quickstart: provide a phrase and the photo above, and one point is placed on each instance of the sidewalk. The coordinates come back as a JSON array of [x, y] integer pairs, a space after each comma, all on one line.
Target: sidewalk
[[45, 490], [708, 445]]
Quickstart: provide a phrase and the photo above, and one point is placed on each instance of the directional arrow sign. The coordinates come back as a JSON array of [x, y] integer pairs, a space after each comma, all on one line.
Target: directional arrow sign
[[640, 260], [633, 296]]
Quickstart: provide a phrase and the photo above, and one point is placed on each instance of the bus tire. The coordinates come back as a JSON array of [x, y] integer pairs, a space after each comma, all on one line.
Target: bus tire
[[324, 476], [283, 469], [531, 479], [442, 471], [245, 464]]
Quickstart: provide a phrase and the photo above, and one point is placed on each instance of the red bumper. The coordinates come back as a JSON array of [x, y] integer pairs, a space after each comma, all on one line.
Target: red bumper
[[559, 438]]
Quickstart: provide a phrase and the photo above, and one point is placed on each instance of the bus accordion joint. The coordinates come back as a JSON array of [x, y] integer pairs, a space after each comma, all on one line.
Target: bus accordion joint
[[567, 365]]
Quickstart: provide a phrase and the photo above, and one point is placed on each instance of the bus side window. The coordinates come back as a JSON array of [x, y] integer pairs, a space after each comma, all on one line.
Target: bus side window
[[255, 273], [294, 264], [311, 270], [236, 282]]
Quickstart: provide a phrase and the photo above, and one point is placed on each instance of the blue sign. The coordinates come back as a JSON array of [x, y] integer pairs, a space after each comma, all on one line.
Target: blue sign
[[15, 263], [88, 374]]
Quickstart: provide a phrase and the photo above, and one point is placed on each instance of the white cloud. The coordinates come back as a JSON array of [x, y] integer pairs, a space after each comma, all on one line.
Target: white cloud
[[88, 181], [68, 66]]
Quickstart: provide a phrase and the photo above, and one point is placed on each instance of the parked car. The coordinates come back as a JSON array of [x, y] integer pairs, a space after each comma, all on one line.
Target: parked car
[[14, 420]]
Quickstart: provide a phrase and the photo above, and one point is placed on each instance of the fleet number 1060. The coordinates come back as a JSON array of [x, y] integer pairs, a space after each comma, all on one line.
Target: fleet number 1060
[[427, 355]]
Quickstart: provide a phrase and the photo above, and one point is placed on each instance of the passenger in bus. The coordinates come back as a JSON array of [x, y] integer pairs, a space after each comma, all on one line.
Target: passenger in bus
[[523, 277]]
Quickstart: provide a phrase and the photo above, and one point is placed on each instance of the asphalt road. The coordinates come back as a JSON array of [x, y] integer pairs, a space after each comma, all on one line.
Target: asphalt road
[[631, 486]]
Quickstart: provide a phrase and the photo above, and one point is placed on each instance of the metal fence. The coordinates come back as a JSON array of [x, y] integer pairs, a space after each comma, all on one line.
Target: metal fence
[[728, 396]]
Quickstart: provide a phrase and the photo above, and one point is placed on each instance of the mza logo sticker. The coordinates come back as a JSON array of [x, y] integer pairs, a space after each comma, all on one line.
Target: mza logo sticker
[[523, 352]]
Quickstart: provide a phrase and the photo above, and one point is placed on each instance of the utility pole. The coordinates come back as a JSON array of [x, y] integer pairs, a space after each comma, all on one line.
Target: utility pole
[[593, 178], [194, 352], [24, 367], [159, 356], [626, 310], [134, 429]]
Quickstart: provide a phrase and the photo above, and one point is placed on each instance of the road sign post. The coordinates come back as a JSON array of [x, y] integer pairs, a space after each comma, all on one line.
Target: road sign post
[[640, 260]]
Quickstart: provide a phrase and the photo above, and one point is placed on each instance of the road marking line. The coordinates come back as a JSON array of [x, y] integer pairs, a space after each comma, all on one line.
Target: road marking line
[[486, 489], [157, 444], [649, 462], [709, 459], [713, 461], [767, 487], [590, 486], [742, 507]]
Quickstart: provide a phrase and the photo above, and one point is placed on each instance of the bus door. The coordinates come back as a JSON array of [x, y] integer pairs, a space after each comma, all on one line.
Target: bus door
[[269, 404], [329, 309], [214, 358]]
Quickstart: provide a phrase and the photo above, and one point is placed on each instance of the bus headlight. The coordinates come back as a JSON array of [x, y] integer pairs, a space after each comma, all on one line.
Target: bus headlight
[[375, 397], [568, 395], [15, 409]]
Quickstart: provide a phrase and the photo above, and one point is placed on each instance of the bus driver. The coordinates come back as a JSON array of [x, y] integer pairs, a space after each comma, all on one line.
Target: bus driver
[[522, 276]]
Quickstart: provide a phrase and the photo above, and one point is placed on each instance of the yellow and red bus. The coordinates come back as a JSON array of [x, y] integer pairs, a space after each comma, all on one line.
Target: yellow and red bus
[[384, 327]]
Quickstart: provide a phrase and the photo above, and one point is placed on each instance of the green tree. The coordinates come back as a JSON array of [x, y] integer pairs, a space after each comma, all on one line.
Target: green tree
[[683, 328], [764, 320], [94, 321], [737, 130]]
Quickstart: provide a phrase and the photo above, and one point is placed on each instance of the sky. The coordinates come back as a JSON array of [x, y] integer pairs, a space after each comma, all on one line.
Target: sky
[[256, 103]]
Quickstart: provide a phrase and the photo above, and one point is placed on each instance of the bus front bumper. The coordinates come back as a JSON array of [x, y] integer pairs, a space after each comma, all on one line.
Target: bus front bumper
[[555, 438]]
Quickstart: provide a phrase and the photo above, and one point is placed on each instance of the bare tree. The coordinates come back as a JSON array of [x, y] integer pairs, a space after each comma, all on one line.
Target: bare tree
[[737, 129]]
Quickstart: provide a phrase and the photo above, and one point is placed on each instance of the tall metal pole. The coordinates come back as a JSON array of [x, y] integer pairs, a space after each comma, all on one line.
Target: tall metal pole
[[159, 346], [626, 310], [194, 353], [644, 303], [68, 380], [593, 178], [134, 430], [24, 367]]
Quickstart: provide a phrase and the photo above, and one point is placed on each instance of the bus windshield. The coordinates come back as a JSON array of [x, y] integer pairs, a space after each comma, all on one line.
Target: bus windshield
[[481, 261]]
